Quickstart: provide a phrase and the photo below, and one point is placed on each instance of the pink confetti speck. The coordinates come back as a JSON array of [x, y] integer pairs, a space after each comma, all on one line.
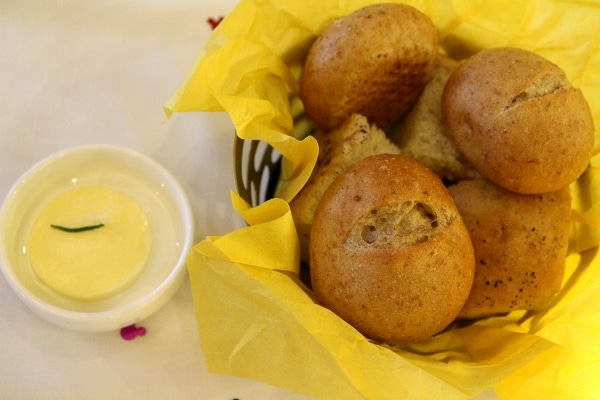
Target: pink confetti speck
[[214, 22], [131, 332]]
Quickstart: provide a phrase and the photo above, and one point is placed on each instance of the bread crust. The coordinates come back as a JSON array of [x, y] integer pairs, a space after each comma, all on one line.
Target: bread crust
[[520, 244], [374, 61], [517, 119], [389, 251]]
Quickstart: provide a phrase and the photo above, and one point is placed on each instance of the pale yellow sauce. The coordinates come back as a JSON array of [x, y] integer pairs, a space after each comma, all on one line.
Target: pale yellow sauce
[[93, 264]]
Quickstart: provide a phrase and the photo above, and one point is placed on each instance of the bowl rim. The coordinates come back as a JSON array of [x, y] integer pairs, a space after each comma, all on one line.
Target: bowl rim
[[128, 313]]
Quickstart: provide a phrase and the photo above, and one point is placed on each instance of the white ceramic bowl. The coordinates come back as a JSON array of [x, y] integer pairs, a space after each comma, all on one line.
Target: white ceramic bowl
[[142, 179]]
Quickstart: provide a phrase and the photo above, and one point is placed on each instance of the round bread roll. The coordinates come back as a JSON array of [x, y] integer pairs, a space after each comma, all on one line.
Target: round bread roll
[[517, 119], [389, 252], [374, 61], [520, 244]]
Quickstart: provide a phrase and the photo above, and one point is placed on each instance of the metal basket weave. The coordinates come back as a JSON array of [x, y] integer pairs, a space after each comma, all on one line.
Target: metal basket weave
[[256, 167]]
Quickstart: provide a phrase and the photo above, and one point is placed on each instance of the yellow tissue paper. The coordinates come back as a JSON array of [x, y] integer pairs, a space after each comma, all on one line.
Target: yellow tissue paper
[[255, 316]]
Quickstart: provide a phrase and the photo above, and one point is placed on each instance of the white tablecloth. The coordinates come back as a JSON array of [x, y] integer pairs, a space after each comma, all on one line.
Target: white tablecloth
[[75, 73]]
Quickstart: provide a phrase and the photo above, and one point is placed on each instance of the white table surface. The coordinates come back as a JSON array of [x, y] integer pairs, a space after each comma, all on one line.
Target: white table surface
[[74, 73]]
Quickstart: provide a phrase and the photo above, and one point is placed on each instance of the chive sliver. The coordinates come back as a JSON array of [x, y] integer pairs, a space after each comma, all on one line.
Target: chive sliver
[[78, 229]]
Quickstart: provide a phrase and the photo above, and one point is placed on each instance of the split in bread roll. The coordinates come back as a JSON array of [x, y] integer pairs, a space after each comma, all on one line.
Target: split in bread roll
[[518, 120], [389, 252], [374, 61], [520, 244]]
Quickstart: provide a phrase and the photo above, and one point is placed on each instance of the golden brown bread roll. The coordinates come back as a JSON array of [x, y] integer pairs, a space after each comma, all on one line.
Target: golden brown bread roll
[[374, 61], [517, 119], [520, 244], [339, 148], [389, 252], [421, 133]]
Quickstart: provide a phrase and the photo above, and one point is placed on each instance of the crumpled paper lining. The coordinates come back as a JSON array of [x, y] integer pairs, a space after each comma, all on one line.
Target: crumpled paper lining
[[257, 320]]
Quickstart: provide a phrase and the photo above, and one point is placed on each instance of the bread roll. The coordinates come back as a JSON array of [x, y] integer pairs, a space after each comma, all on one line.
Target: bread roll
[[517, 119], [339, 148], [421, 133], [520, 244], [389, 252], [374, 61]]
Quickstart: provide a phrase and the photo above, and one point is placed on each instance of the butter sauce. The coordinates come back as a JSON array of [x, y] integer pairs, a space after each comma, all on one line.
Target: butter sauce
[[89, 243]]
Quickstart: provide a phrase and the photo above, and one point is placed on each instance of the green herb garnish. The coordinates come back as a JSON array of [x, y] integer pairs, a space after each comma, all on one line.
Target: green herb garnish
[[79, 229]]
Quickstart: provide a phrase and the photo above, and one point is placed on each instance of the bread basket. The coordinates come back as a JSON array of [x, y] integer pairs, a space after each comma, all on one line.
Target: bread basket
[[256, 317]]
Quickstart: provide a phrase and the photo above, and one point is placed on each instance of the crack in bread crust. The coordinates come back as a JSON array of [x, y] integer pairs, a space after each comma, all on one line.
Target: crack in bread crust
[[397, 226], [546, 85]]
